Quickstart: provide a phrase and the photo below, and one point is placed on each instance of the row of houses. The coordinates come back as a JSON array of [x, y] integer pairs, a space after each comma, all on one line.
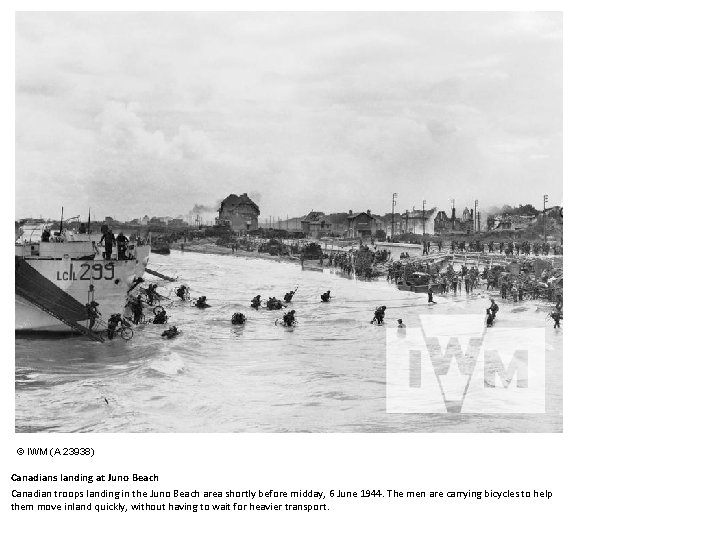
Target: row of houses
[[366, 224], [166, 221], [241, 213], [430, 221]]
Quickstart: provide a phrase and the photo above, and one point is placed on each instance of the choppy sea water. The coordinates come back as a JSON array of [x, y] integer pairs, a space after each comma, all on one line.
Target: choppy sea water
[[325, 375]]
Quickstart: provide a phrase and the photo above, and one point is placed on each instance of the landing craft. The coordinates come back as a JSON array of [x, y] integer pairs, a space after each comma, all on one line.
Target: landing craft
[[55, 279]]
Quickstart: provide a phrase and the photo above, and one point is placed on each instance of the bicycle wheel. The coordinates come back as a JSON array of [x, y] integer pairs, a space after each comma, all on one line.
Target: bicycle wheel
[[126, 333]]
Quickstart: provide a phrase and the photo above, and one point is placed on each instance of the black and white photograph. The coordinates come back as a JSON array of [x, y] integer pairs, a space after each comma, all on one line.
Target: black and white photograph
[[231, 222], [296, 270]]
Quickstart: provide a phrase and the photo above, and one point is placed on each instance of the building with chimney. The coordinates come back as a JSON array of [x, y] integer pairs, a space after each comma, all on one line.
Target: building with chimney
[[314, 225], [411, 221], [442, 223], [239, 212], [465, 224], [363, 225], [467, 221]]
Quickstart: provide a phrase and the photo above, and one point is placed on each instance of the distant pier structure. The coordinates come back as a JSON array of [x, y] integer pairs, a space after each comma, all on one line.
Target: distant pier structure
[[240, 212]]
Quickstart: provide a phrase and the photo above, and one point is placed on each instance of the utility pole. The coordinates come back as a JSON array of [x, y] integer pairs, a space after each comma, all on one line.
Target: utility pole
[[424, 218], [476, 220], [545, 200], [392, 218]]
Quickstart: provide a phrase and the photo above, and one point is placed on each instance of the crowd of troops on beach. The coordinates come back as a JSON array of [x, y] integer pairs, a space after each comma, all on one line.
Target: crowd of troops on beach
[[345, 261], [507, 248], [360, 262], [523, 285]]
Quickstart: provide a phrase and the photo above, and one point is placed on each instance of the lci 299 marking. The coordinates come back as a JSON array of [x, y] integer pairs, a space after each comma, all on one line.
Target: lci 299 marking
[[88, 272]]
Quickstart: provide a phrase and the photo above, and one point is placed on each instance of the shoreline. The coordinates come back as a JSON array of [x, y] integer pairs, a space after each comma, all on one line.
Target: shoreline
[[213, 249], [458, 258]]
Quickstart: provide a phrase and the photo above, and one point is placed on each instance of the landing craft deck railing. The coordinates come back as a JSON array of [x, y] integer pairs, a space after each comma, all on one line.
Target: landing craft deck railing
[[75, 249]]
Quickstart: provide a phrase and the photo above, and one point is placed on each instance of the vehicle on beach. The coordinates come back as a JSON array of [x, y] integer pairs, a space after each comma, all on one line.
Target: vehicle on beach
[[160, 247], [274, 247], [418, 282]]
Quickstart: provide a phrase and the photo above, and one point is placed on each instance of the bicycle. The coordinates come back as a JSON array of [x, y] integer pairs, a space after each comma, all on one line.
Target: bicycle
[[126, 332]]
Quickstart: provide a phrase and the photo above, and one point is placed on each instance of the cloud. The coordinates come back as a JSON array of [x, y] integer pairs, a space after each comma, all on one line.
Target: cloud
[[122, 130], [124, 113]]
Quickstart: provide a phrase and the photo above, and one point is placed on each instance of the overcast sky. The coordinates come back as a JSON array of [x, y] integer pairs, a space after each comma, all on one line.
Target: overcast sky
[[150, 113]]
